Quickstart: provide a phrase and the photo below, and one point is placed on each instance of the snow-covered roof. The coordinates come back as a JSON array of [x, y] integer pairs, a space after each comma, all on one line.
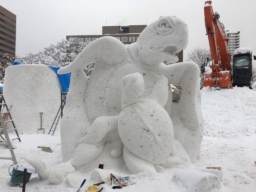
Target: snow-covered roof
[[207, 4], [232, 32], [242, 50]]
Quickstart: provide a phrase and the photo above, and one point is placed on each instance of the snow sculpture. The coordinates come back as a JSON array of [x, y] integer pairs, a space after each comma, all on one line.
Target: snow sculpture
[[144, 126], [96, 109]]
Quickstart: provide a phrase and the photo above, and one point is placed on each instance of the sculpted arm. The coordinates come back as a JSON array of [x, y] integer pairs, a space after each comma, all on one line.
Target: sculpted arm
[[185, 75], [160, 91], [187, 114]]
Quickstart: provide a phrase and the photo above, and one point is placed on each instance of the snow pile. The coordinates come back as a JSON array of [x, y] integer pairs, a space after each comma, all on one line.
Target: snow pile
[[29, 90], [196, 181], [208, 70]]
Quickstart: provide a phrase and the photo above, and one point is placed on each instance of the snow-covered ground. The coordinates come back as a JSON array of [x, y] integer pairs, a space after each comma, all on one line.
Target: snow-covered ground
[[229, 142], [230, 136]]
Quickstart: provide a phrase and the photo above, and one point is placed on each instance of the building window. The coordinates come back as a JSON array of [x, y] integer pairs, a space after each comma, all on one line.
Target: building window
[[124, 29], [131, 39], [124, 39]]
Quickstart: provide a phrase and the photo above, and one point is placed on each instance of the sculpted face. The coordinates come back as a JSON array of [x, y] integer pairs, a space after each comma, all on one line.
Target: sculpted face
[[161, 40]]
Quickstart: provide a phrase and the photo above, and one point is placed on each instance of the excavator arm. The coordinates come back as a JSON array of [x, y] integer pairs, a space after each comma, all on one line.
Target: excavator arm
[[221, 70]]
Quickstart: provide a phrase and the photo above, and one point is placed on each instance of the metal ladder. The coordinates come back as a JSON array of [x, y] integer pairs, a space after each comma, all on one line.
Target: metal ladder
[[8, 142], [59, 113], [7, 118]]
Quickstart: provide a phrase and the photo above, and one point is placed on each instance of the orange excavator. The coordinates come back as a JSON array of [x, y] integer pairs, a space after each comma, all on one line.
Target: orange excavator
[[220, 75]]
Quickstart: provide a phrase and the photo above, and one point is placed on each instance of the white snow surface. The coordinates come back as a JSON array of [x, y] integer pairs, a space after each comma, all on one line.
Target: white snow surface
[[229, 142], [242, 50], [30, 89]]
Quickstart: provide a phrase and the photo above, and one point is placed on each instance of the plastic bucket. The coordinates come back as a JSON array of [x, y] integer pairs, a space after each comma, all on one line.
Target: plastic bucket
[[17, 175]]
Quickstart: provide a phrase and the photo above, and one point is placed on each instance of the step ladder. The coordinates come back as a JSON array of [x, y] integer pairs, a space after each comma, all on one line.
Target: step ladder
[[7, 142], [59, 113], [7, 117]]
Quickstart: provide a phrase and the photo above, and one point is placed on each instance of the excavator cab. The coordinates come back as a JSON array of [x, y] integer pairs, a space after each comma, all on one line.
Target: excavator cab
[[242, 69]]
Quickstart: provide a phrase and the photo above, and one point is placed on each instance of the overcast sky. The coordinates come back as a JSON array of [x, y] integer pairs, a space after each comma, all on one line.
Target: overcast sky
[[44, 22]]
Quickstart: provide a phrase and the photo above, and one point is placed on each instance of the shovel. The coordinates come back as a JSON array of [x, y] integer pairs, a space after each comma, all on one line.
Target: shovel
[[45, 149]]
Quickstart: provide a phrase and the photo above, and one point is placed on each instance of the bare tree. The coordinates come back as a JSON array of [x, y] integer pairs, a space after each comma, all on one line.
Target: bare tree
[[61, 54], [5, 60], [199, 56]]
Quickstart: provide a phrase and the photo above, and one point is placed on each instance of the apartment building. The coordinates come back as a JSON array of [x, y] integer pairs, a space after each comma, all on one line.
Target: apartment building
[[126, 34], [234, 41], [7, 31]]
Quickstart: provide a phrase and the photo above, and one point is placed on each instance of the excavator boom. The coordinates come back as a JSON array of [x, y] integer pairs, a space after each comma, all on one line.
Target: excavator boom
[[221, 70]]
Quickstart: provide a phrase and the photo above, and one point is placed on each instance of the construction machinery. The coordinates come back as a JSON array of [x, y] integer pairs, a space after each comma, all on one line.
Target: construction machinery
[[220, 75], [223, 74], [242, 68]]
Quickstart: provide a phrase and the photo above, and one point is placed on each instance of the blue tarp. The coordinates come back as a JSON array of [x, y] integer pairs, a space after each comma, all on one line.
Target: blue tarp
[[16, 63], [63, 79]]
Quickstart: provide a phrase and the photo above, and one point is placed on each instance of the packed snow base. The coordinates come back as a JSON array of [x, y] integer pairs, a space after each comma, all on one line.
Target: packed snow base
[[229, 142], [28, 91]]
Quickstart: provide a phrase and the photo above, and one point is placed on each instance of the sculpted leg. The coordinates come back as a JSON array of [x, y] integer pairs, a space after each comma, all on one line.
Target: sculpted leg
[[136, 164], [83, 154], [178, 156], [86, 153], [117, 149], [59, 172]]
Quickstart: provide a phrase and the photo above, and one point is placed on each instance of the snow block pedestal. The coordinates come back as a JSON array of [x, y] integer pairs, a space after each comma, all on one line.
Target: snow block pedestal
[[197, 181], [31, 89]]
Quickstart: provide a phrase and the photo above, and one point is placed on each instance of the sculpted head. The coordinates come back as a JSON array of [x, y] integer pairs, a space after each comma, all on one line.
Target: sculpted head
[[133, 89], [161, 40]]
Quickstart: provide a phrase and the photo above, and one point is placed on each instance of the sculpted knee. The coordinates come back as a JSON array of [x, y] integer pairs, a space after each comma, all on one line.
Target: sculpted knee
[[193, 67]]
